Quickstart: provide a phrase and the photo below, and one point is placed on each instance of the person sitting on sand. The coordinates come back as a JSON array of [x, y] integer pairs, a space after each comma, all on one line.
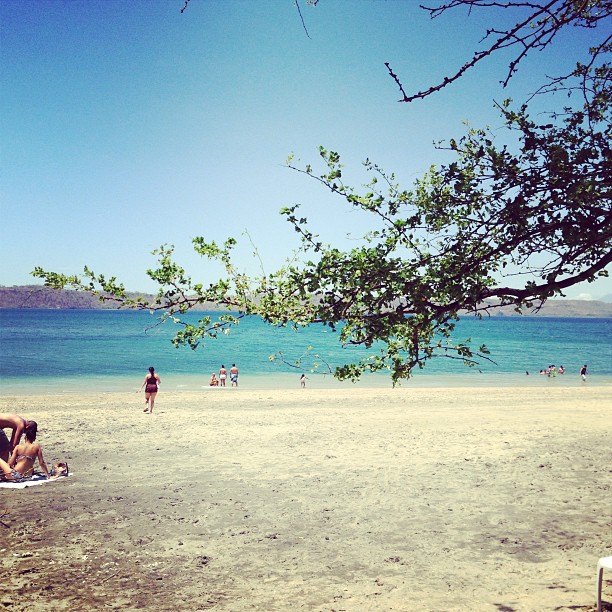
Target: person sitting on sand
[[151, 383], [21, 464], [60, 469], [17, 424], [213, 381]]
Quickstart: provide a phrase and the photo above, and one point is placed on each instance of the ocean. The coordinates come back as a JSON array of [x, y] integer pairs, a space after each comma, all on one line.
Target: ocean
[[63, 351]]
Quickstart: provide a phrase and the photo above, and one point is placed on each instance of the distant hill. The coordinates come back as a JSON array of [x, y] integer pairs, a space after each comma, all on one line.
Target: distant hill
[[37, 296], [562, 308]]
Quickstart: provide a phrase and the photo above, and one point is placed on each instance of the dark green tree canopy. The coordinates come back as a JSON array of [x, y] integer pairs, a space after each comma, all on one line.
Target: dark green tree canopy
[[509, 221]]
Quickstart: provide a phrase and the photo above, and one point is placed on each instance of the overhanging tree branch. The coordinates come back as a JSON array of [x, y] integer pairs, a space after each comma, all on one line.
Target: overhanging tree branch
[[462, 239], [535, 32]]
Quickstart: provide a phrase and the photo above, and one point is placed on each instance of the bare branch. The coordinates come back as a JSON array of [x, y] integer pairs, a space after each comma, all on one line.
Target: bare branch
[[297, 6], [536, 32]]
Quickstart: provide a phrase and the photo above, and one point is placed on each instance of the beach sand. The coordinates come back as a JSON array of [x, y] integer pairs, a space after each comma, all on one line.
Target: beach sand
[[313, 499]]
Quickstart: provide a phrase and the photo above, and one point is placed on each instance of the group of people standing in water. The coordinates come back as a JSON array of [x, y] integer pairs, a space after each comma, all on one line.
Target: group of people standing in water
[[551, 371], [220, 382], [17, 457]]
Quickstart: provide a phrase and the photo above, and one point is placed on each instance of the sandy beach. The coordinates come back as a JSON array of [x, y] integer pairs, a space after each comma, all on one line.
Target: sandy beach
[[410, 499]]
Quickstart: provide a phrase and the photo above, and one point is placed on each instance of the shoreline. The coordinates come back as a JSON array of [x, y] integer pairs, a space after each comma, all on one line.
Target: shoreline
[[416, 499], [173, 384]]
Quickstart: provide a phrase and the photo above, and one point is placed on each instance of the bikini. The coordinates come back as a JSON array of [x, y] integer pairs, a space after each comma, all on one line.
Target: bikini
[[151, 386], [15, 475], [19, 457], [18, 476]]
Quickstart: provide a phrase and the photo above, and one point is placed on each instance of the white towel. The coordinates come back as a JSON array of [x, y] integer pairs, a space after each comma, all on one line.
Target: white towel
[[37, 479]]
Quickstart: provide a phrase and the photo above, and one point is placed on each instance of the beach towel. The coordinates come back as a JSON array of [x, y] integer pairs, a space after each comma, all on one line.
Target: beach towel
[[37, 479]]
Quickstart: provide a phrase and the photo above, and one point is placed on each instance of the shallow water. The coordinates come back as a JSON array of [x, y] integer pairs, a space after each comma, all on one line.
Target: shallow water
[[83, 350]]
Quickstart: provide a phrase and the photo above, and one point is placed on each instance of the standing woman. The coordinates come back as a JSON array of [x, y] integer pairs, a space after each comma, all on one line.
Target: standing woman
[[151, 384]]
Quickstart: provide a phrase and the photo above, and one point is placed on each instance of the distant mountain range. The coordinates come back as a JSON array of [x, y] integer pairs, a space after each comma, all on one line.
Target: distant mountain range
[[562, 308], [37, 296]]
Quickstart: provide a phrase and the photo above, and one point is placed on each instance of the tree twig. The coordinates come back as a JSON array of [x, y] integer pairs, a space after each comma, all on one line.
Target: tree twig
[[297, 6]]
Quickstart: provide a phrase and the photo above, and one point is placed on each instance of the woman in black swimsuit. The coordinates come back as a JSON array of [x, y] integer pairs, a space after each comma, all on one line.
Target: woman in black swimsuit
[[151, 384]]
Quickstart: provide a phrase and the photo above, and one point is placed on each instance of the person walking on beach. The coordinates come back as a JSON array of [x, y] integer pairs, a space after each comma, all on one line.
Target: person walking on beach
[[303, 380], [20, 467], [234, 375], [222, 376], [584, 372], [151, 384], [17, 424]]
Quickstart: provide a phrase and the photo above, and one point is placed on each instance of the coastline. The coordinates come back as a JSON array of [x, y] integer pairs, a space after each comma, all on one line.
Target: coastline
[[412, 499], [190, 383], [59, 351]]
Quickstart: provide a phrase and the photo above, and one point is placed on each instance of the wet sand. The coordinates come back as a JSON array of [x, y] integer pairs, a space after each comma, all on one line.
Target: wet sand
[[315, 499]]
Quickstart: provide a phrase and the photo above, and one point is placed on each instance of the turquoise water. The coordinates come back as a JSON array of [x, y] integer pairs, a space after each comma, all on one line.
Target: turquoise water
[[107, 350]]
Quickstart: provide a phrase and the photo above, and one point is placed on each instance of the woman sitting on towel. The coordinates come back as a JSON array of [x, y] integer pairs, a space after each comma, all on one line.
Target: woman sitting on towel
[[21, 463]]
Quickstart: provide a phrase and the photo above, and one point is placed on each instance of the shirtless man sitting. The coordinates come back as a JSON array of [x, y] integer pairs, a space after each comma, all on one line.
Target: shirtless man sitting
[[17, 424]]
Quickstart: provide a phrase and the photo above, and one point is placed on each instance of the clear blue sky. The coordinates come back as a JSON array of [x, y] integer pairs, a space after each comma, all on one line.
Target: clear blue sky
[[126, 124]]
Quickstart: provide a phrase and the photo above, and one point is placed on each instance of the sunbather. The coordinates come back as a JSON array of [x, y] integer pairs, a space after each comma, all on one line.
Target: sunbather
[[20, 466]]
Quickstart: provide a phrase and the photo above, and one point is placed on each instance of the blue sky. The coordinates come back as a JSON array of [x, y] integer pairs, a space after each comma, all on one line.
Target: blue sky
[[127, 125]]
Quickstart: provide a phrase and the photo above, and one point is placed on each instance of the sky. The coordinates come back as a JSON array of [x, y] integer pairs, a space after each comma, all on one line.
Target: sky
[[129, 125]]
